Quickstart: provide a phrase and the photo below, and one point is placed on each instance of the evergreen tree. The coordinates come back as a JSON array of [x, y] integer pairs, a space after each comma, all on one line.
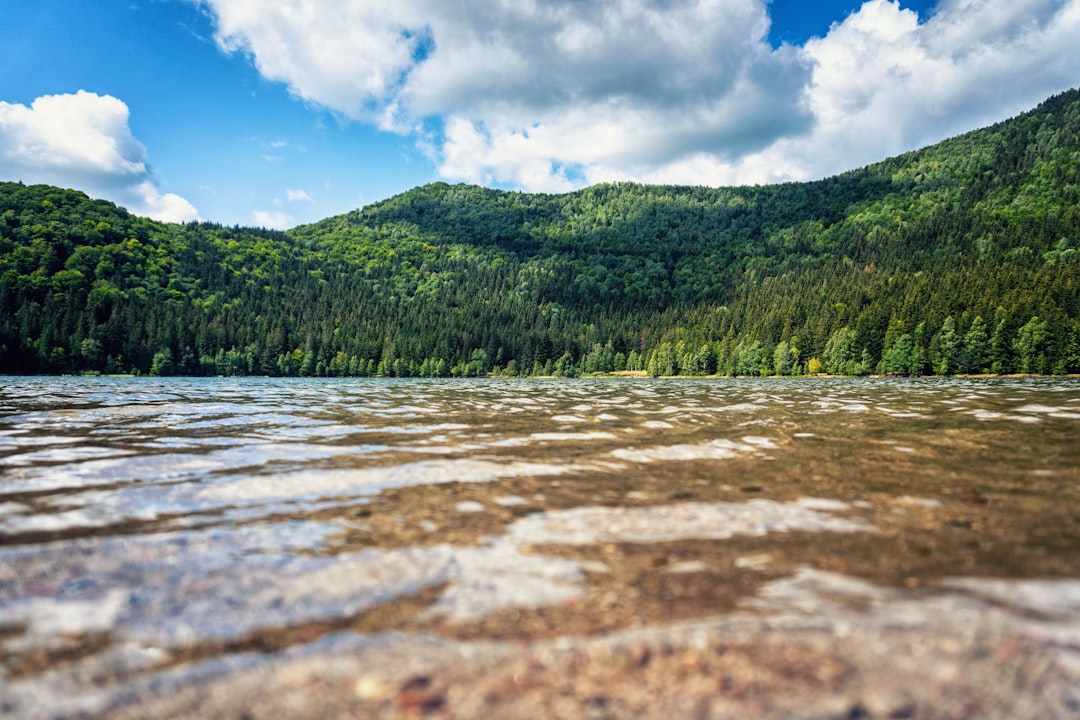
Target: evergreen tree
[[945, 349], [973, 355], [899, 358], [1030, 345]]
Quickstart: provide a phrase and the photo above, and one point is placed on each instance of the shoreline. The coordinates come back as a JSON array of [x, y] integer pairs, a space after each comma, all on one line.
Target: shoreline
[[618, 375]]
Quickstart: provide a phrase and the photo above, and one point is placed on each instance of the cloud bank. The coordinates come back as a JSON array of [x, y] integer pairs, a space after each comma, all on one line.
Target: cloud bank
[[547, 96], [84, 141]]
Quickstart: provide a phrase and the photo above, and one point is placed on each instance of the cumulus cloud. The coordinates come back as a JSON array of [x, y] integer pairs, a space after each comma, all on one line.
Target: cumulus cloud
[[272, 219], [553, 95], [84, 141], [297, 195], [883, 83], [348, 56]]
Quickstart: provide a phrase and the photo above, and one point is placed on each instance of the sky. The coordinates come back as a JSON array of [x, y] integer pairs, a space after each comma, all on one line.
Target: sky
[[249, 112]]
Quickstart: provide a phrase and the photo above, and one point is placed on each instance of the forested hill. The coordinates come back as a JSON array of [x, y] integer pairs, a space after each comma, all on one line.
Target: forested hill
[[961, 257]]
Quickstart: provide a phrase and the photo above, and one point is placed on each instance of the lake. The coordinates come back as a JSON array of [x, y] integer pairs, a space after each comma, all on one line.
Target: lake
[[568, 548]]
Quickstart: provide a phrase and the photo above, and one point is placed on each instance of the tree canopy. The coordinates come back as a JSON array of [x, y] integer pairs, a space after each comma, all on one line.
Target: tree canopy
[[960, 257]]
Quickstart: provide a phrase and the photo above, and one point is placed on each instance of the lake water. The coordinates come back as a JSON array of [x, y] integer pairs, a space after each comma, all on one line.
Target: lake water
[[160, 533]]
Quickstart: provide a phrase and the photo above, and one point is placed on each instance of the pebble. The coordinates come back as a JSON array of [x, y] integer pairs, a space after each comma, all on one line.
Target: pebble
[[372, 688], [685, 567]]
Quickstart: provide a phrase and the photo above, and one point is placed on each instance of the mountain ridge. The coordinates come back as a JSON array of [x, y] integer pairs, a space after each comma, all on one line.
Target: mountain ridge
[[961, 256]]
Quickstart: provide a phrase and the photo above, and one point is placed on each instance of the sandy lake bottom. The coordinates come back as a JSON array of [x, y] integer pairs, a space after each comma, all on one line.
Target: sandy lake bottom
[[500, 548]]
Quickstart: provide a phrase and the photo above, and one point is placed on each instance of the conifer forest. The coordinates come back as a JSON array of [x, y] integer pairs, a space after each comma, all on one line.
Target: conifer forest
[[962, 257]]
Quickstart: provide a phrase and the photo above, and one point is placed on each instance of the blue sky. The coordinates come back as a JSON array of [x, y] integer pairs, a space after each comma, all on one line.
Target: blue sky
[[248, 112]]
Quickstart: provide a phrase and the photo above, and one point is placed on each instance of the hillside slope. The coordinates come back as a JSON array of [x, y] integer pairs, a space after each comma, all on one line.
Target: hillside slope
[[961, 257]]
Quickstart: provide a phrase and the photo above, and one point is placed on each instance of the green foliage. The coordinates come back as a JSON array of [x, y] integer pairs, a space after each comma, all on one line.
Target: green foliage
[[945, 349], [750, 359], [899, 358], [785, 358], [840, 352], [162, 364], [1030, 345], [961, 257], [972, 357]]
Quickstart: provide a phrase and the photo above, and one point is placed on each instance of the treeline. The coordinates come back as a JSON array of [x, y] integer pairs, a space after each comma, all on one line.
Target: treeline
[[959, 258]]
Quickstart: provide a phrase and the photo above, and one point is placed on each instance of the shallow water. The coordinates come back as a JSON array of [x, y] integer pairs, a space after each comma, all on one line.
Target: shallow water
[[170, 528]]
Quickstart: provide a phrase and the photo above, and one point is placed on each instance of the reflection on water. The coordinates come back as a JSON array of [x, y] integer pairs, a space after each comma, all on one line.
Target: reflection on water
[[154, 526]]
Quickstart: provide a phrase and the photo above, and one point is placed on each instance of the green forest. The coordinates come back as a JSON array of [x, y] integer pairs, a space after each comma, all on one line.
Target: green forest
[[963, 257]]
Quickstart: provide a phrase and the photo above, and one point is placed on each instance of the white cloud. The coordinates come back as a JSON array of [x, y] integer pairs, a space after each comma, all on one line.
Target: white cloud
[[551, 95], [297, 196], [337, 54], [272, 219], [884, 84], [83, 141]]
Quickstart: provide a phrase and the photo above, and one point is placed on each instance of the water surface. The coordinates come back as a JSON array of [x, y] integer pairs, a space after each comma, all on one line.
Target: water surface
[[163, 530]]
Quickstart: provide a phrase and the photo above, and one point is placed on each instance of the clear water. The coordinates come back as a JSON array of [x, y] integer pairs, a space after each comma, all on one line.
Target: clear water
[[154, 528]]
